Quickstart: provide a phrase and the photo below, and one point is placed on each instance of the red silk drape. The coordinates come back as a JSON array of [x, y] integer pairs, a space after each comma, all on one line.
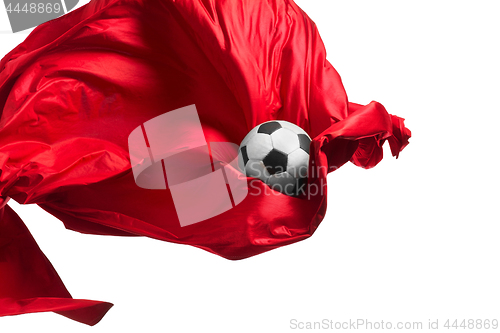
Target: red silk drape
[[72, 92]]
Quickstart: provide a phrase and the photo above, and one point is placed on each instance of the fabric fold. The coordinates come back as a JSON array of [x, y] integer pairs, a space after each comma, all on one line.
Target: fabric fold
[[29, 283], [75, 89]]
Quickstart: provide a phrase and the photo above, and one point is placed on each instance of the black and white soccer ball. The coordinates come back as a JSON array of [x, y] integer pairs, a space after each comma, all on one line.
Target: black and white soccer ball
[[276, 152]]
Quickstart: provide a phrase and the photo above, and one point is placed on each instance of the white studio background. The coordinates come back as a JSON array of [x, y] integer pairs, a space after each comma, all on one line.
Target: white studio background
[[413, 239]]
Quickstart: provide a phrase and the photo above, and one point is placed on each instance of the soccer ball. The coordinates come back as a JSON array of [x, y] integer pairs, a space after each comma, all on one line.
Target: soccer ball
[[276, 152]]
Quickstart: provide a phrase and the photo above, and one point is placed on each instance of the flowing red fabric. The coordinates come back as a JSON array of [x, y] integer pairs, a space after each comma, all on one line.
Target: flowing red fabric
[[73, 91]]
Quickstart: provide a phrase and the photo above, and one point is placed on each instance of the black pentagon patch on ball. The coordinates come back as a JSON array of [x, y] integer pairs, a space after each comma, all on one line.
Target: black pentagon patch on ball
[[301, 187], [269, 128], [275, 162], [304, 142], [244, 154]]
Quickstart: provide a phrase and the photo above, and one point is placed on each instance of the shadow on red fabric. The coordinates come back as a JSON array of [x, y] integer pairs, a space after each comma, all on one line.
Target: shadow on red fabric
[[75, 89]]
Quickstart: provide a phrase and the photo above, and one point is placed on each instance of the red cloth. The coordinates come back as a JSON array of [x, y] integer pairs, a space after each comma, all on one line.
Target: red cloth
[[72, 92]]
